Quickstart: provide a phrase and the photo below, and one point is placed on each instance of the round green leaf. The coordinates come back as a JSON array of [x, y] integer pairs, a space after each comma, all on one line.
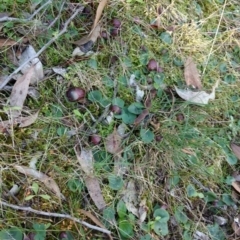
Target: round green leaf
[[191, 192], [115, 182], [92, 63], [95, 96], [162, 214], [160, 228], [75, 185], [180, 215], [108, 82], [166, 37], [11, 234], [125, 229], [146, 135], [121, 209], [136, 108], [118, 101], [127, 117]]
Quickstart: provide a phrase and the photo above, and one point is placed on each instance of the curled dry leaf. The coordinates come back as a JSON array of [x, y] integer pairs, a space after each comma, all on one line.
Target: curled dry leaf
[[191, 74], [141, 117], [85, 158], [236, 225], [142, 211], [113, 142], [130, 198], [236, 186], [86, 43], [95, 220], [95, 192], [19, 92], [47, 181], [200, 97], [22, 121], [99, 12], [7, 42], [27, 121], [236, 149], [30, 52]]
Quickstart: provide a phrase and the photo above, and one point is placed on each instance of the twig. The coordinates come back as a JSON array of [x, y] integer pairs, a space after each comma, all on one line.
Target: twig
[[11, 19], [50, 214], [4, 83]]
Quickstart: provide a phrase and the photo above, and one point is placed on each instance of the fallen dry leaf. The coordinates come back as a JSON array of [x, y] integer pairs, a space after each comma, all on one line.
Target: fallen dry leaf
[[27, 121], [30, 52], [85, 158], [47, 181], [95, 192], [7, 42], [19, 92], [236, 150], [22, 121], [95, 220], [236, 186], [142, 211], [200, 97], [236, 225], [86, 43], [113, 142], [130, 197], [191, 74], [141, 117], [100, 9]]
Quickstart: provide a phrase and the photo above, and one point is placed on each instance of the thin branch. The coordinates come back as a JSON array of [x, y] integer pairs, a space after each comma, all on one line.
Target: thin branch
[[5, 82], [11, 19], [39, 9], [50, 214]]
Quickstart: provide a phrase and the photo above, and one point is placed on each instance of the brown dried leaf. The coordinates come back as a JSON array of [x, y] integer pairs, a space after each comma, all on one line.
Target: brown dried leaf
[[7, 42], [141, 117], [100, 9], [236, 226], [95, 192], [90, 37], [47, 181], [130, 197], [191, 74], [236, 186], [85, 158], [27, 121], [113, 142], [23, 121], [236, 149], [19, 92]]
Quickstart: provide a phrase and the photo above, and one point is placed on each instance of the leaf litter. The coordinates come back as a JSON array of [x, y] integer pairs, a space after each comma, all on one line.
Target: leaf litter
[[86, 43], [85, 158], [47, 181]]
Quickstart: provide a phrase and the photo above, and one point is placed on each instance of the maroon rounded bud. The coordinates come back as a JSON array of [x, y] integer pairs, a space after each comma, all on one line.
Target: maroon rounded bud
[[104, 34], [63, 235], [180, 117], [152, 65], [116, 23], [114, 32], [158, 138], [31, 235], [115, 109], [75, 93], [95, 139]]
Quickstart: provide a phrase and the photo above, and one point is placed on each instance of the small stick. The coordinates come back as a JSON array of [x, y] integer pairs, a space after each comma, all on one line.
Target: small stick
[[50, 214], [5, 82]]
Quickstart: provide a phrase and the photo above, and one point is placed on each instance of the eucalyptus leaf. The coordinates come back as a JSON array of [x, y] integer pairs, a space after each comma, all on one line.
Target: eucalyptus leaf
[[11, 234], [166, 37], [95, 96], [136, 108], [121, 209]]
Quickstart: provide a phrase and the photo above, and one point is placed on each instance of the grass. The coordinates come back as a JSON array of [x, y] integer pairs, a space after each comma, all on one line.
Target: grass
[[185, 173]]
